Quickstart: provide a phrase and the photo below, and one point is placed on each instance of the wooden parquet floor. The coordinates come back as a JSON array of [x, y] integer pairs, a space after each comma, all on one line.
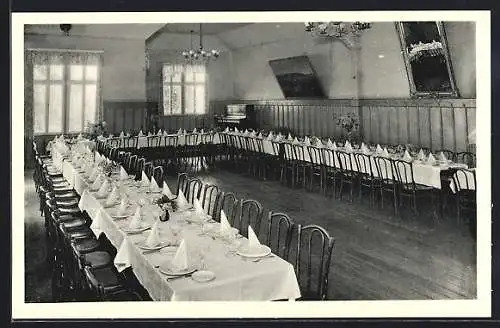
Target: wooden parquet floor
[[377, 256]]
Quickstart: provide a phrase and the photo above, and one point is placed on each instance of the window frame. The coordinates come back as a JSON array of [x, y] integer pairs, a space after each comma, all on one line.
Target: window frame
[[66, 82], [183, 83]]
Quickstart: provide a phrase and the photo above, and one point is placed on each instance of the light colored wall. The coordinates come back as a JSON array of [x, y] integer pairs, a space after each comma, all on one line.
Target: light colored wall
[[461, 42], [168, 47], [123, 75], [376, 71]]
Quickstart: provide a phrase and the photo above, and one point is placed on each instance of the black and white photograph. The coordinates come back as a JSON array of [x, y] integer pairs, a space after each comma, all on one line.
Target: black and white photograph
[[195, 157]]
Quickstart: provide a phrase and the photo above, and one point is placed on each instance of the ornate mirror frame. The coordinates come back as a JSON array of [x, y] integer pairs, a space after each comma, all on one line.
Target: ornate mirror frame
[[406, 55]]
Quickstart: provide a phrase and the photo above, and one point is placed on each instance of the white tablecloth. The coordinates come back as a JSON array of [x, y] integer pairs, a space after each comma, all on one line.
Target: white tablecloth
[[236, 279]]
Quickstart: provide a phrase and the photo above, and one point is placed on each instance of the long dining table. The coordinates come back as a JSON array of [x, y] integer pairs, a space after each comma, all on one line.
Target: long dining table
[[236, 277]]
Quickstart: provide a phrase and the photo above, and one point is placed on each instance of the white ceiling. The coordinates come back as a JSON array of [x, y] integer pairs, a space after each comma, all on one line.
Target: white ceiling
[[116, 31], [208, 28]]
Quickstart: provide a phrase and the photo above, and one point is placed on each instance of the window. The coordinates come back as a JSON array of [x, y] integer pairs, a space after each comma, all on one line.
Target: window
[[65, 91], [184, 89]]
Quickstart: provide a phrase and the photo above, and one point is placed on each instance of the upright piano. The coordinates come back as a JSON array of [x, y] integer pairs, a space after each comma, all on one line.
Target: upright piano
[[241, 116]]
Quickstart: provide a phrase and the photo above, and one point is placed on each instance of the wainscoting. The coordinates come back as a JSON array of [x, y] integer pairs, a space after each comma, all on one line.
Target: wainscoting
[[127, 116], [444, 124]]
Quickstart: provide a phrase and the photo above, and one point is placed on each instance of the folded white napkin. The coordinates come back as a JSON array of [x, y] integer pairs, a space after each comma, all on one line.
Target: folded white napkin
[[166, 191], [97, 183], [123, 174], [226, 130], [407, 157], [270, 136], [329, 143], [180, 260], [184, 131], [202, 131], [122, 135], [253, 241], [421, 155], [140, 134], [149, 134], [165, 133], [252, 134], [112, 196], [79, 136], [348, 146], [154, 236], [144, 180], [307, 141], [431, 159], [224, 223], [136, 219], [259, 135], [236, 130], [195, 131], [154, 186], [442, 157], [123, 207], [295, 141], [179, 131], [199, 209], [379, 149], [289, 138], [385, 153], [181, 200], [104, 188], [127, 135]]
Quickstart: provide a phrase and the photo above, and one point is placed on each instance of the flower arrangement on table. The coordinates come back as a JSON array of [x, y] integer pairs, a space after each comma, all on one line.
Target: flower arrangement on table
[[163, 202], [108, 167], [96, 129], [350, 123]]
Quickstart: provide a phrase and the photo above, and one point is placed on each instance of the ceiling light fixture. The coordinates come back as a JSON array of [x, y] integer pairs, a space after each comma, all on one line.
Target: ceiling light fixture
[[346, 31], [200, 54]]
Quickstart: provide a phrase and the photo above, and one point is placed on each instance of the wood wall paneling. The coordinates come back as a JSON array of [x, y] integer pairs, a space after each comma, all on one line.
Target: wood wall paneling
[[422, 122]]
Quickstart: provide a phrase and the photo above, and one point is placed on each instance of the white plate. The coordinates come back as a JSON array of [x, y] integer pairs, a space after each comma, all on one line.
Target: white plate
[[141, 229], [203, 276], [165, 269], [142, 245], [123, 216], [110, 205], [261, 252], [197, 218]]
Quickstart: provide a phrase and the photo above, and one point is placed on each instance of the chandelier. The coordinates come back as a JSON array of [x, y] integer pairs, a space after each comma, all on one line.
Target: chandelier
[[200, 54], [336, 29]]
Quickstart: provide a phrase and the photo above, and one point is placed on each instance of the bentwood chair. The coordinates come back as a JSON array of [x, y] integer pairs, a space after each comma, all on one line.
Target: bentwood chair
[[467, 158], [158, 175], [148, 169], [386, 182], [317, 169], [279, 233], [251, 212], [105, 285], [312, 261], [408, 188], [182, 183], [347, 174], [279, 161], [130, 143], [132, 165], [290, 165], [465, 192], [229, 204], [211, 200], [332, 170], [141, 164], [194, 189], [301, 165], [365, 175]]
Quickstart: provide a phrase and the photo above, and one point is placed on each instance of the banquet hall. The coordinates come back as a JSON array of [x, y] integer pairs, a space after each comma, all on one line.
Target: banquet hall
[[246, 161]]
